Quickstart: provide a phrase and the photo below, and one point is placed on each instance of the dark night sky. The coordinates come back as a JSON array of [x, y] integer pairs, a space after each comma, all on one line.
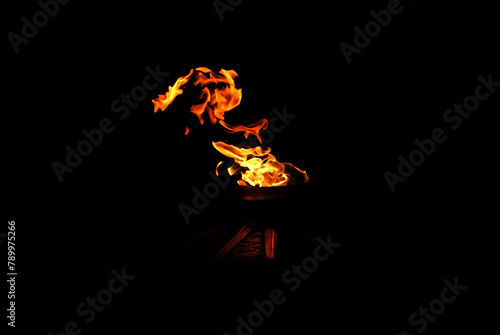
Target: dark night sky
[[353, 120]]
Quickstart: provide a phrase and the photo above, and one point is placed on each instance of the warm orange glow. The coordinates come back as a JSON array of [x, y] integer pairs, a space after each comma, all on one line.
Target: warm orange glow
[[216, 102], [220, 100], [217, 168], [200, 108], [258, 167], [166, 99], [253, 129]]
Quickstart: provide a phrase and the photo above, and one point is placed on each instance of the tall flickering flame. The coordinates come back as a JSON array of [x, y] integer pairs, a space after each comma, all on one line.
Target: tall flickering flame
[[258, 167]]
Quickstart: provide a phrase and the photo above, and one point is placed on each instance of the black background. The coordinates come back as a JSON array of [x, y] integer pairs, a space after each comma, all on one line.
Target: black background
[[119, 206]]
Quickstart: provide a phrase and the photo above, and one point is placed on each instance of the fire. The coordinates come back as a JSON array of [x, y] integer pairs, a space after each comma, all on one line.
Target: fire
[[253, 129], [166, 99], [215, 102], [258, 167]]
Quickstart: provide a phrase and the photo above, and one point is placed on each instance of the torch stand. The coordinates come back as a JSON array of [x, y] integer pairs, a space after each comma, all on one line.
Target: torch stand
[[258, 216], [253, 224]]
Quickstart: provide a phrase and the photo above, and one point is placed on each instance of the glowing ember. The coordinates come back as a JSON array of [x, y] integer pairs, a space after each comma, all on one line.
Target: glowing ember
[[258, 167]]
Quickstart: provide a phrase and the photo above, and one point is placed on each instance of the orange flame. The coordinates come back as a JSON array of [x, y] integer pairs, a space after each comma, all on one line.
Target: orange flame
[[220, 100], [166, 99], [258, 167], [215, 102], [253, 129]]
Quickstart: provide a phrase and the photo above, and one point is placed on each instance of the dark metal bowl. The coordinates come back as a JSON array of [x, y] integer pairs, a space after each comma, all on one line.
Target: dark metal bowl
[[251, 193]]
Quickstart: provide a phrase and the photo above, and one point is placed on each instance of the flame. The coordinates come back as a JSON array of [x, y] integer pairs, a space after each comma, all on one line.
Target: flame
[[258, 167], [215, 102], [200, 108], [219, 101], [253, 129], [166, 99]]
